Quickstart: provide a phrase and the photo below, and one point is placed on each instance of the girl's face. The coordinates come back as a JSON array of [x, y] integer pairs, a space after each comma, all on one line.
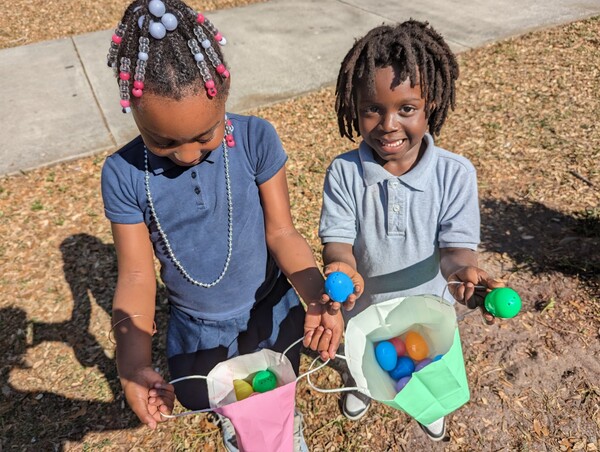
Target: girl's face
[[392, 121], [183, 130]]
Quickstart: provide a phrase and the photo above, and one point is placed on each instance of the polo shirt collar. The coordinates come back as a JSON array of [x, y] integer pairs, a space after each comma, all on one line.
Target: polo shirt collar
[[417, 178]]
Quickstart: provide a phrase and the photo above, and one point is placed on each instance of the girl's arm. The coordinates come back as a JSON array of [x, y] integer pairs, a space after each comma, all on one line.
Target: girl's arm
[[133, 320], [294, 257]]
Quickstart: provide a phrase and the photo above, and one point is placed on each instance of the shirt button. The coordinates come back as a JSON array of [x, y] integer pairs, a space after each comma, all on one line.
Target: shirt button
[[394, 184], [193, 174], [197, 190], [396, 208]]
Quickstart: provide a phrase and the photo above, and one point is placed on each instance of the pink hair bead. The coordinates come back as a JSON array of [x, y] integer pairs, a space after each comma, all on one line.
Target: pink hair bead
[[230, 141], [124, 103], [228, 122], [221, 68], [137, 92], [218, 36], [124, 75], [200, 19], [209, 84], [225, 74], [116, 39], [212, 92], [138, 84]]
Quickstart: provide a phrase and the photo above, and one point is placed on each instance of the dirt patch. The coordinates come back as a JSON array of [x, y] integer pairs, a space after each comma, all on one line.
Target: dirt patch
[[527, 116]]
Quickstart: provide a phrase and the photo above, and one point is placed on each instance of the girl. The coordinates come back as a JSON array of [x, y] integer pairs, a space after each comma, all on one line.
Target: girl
[[400, 215], [206, 193]]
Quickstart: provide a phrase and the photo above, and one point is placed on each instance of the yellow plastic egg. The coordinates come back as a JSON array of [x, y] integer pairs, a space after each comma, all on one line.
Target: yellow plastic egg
[[416, 347], [242, 389]]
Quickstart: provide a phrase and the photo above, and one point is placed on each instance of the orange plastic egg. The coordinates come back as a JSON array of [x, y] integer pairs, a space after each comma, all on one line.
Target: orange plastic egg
[[416, 347]]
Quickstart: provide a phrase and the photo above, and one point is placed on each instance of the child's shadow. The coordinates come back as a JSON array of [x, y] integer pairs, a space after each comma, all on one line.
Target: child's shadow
[[541, 239], [49, 419]]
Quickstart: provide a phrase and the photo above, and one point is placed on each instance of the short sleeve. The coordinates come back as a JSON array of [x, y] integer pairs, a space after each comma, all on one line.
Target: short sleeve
[[338, 212], [265, 150], [118, 184], [460, 220]]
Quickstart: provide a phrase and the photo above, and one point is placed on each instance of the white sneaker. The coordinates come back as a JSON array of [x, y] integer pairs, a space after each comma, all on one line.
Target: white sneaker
[[436, 431], [299, 442], [228, 432], [355, 405]]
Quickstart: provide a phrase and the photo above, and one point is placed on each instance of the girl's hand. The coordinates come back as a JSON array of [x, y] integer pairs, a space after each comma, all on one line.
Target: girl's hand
[[323, 330], [357, 280], [148, 395], [466, 293]]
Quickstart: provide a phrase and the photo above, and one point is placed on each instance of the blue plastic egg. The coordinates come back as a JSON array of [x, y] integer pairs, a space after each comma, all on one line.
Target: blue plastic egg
[[338, 286], [438, 357], [385, 352], [404, 367]]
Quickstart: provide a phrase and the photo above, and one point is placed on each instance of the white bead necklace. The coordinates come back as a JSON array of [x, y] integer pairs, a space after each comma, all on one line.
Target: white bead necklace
[[163, 234]]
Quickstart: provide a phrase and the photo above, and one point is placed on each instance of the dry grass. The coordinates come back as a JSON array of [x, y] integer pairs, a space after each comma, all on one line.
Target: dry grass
[[527, 116]]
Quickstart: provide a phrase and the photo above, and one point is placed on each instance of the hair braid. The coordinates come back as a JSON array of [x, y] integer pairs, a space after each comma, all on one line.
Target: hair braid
[[170, 69], [416, 52]]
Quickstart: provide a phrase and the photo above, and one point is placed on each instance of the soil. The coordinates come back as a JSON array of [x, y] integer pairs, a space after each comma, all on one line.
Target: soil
[[527, 116]]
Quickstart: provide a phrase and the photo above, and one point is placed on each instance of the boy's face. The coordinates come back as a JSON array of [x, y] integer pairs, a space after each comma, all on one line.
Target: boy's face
[[392, 121], [183, 130]]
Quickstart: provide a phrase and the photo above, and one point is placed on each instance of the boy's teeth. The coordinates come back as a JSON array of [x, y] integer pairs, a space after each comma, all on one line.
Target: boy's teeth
[[392, 143]]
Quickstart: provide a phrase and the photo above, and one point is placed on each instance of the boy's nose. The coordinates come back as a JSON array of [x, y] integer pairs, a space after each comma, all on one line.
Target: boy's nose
[[389, 122]]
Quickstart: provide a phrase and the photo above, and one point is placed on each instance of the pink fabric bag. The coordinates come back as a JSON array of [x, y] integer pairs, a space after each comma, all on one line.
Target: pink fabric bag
[[264, 421]]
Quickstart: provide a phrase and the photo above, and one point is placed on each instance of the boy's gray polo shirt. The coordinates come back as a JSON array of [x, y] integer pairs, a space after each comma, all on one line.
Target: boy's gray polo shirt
[[398, 224]]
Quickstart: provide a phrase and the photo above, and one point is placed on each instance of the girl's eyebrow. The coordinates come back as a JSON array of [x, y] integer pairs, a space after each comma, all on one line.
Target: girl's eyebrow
[[200, 135]]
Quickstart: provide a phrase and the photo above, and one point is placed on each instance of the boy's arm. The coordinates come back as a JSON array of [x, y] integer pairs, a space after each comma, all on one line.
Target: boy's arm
[[461, 265], [133, 318], [295, 259]]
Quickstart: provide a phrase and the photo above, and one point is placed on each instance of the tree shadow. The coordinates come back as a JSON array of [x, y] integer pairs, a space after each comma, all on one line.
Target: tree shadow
[[47, 420], [542, 240]]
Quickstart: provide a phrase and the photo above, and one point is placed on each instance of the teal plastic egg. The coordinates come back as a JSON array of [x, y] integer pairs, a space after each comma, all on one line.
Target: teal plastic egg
[[264, 381], [503, 302]]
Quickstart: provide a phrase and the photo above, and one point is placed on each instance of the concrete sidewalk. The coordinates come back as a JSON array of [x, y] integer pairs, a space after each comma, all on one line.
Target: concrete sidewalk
[[59, 100]]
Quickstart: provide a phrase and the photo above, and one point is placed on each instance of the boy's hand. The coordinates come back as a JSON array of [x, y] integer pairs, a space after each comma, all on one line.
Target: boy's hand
[[357, 280], [469, 295], [148, 395], [323, 330]]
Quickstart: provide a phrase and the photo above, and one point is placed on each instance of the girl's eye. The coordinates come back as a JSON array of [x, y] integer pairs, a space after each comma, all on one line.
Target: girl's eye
[[168, 145], [407, 109]]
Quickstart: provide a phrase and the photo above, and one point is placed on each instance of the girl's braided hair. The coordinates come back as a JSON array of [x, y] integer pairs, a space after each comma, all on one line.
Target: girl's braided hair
[[415, 51], [172, 67]]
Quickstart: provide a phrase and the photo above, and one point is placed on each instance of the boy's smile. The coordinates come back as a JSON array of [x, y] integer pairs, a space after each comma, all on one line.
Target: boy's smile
[[392, 121]]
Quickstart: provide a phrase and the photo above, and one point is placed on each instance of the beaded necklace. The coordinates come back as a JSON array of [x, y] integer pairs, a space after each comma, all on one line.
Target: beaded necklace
[[163, 234]]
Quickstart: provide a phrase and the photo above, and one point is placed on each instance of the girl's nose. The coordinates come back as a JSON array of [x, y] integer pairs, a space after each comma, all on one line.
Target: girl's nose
[[189, 152]]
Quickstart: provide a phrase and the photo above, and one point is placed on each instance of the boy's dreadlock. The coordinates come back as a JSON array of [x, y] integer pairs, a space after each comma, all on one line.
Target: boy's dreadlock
[[416, 51]]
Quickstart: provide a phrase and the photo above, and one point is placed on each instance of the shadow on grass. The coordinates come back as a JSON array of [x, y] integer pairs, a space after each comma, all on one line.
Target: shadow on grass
[[541, 239], [46, 420]]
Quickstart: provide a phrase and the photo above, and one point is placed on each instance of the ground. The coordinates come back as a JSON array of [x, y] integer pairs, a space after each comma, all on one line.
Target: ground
[[527, 116]]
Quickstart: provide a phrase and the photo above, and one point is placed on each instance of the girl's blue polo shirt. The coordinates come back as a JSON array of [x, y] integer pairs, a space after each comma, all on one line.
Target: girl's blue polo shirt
[[191, 205]]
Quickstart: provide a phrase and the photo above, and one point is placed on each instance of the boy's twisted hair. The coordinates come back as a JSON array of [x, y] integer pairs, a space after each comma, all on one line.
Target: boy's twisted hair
[[415, 51], [171, 70]]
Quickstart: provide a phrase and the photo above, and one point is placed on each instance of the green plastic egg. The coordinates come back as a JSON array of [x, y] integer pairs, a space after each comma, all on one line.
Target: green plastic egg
[[503, 302], [264, 381]]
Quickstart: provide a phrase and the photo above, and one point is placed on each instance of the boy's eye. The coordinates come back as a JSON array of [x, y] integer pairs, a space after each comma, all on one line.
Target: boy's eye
[[372, 109], [407, 109], [168, 145]]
